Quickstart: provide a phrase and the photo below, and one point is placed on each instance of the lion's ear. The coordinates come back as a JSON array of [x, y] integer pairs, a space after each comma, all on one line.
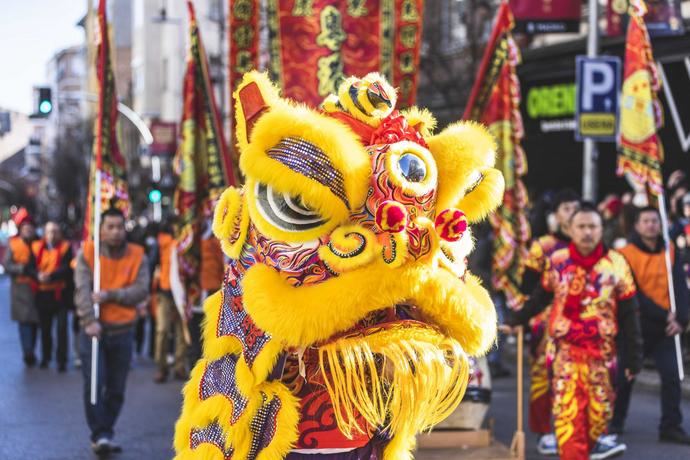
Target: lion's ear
[[231, 221], [465, 155], [253, 98]]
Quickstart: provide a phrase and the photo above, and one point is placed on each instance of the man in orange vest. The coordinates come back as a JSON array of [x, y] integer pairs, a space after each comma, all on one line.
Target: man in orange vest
[[53, 256], [19, 264], [124, 284], [645, 255], [167, 317]]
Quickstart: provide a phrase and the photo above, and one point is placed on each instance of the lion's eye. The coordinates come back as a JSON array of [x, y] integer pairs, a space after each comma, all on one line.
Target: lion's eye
[[412, 167], [285, 211]]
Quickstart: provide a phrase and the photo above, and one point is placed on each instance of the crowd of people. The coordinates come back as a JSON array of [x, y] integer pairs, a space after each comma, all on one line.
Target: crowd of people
[[596, 304], [52, 280]]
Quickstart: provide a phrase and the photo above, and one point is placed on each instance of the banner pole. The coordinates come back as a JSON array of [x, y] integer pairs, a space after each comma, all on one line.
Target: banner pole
[[96, 281], [669, 279], [589, 166]]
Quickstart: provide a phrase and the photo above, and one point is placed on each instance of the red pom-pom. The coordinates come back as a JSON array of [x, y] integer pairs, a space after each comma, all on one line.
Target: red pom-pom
[[391, 216], [451, 224]]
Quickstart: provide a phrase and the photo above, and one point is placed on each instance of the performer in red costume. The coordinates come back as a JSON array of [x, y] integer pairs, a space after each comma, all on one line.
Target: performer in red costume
[[593, 299], [540, 395]]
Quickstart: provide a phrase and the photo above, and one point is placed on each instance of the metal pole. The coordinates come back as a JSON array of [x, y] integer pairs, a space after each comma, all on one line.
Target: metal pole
[[589, 165], [96, 281], [669, 279]]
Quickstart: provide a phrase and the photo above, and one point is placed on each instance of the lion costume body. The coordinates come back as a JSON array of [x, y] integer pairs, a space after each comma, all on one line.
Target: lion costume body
[[347, 312]]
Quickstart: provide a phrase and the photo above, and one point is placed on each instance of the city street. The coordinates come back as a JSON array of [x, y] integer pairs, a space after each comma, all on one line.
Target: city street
[[41, 413]]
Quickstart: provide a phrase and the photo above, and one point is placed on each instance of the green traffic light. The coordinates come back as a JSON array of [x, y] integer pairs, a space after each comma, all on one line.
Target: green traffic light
[[45, 107], [155, 196]]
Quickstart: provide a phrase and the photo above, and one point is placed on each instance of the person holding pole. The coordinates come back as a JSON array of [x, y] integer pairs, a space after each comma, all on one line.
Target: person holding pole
[[645, 254], [124, 283]]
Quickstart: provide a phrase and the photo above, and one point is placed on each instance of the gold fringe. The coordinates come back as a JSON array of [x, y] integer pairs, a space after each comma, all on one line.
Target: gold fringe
[[404, 380]]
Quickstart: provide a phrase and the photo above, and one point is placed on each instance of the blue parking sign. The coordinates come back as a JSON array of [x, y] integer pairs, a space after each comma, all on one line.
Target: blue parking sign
[[597, 93]]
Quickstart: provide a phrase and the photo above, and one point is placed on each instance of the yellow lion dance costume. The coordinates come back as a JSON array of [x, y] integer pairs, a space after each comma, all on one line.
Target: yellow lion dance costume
[[347, 312]]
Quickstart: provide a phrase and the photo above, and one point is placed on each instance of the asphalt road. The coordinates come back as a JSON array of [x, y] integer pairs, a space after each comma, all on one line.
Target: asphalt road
[[41, 412]]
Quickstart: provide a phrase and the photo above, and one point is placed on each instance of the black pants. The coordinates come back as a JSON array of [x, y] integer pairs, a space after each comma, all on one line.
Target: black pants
[[195, 333], [49, 309], [114, 356], [664, 354]]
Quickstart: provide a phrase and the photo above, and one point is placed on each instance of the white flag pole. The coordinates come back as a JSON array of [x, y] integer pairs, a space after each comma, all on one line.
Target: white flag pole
[[669, 278], [96, 281]]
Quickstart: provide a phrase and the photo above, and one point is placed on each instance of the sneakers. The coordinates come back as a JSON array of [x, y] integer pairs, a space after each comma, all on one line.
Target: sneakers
[[547, 445], [607, 446], [104, 445], [674, 435]]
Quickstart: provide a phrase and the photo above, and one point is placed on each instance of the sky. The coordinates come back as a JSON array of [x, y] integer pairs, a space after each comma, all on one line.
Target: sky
[[31, 31]]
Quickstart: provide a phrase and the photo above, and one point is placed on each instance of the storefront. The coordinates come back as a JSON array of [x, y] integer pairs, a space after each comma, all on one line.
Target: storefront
[[547, 76]]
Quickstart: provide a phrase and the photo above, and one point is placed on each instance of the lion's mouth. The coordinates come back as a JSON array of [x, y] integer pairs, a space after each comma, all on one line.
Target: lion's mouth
[[400, 315]]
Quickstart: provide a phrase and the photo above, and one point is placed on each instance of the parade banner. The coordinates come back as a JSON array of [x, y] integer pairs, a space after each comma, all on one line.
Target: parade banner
[[663, 17], [641, 114], [243, 19], [546, 16], [495, 102], [201, 163], [316, 44], [107, 157]]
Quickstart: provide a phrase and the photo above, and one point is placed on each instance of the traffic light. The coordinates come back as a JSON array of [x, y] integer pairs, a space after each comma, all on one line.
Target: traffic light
[[155, 196], [44, 101]]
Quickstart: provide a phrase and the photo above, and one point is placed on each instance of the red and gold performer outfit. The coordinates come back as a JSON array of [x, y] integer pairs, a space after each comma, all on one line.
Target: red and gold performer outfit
[[593, 301], [540, 395]]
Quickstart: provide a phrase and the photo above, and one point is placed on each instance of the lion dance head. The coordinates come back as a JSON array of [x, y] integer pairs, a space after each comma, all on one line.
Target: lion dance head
[[347, 312]]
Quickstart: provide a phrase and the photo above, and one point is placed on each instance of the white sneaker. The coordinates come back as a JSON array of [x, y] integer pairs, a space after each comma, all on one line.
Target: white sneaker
[[547, 445], [101, 446], [607, 446]]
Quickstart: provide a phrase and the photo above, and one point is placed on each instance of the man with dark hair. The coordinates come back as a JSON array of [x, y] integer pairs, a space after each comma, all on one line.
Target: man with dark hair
[[646, 255], [592, 294], [53, 256], [565, 203], [124, 282]]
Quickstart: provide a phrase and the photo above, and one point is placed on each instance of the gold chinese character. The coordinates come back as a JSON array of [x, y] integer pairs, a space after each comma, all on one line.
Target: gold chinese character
[[243, 10], [357, 8], [332, 34], [409, 10], [330, 74], [302, 8], [243, 36]]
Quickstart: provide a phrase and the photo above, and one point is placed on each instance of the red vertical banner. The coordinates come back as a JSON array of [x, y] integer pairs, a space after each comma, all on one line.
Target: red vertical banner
[[107, 157], [316, 44], [641, 115], [201, 163], [495, 102], [243, 18]]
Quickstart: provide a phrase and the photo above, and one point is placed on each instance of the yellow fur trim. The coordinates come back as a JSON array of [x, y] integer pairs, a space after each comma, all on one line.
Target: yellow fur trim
[[331, 104], [337, 142], [453, 254], [231, 221], [462, 151], [269, 92], [462, 309], [420, 119], [393, 155], [349, 247], [485, 197]]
